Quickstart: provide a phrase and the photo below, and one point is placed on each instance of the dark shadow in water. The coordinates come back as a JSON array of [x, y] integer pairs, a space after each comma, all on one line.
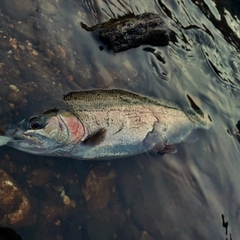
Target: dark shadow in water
[[225, 225], [156, 53], [8, 234]]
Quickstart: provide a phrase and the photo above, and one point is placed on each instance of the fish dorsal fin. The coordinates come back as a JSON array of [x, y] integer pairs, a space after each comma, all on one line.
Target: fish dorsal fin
[[95, 138]]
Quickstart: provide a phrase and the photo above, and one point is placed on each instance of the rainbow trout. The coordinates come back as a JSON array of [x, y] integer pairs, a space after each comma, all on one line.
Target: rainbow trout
[[106, 124]]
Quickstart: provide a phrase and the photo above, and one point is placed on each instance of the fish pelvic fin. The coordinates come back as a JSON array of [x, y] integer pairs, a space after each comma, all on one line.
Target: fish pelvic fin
[[95, 138], [162, 148]]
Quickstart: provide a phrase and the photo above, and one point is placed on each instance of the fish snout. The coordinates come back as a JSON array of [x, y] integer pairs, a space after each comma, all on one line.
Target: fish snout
[[11, 130]]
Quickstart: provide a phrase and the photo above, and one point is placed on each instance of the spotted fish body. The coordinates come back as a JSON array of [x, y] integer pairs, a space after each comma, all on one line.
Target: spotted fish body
[[133, 123], [105, 124]]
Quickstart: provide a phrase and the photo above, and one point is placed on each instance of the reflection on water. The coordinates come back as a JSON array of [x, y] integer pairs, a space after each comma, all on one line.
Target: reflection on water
[[193, 194]]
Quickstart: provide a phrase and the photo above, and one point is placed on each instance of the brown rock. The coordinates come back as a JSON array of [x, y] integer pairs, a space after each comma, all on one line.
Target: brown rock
[[131, 31], [15, 97], [51, 212], [14, 205], [96, 190], [40, 177]]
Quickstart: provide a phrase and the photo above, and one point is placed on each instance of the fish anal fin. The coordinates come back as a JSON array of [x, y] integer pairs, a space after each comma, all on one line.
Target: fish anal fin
[[162, 148], [95, 138]]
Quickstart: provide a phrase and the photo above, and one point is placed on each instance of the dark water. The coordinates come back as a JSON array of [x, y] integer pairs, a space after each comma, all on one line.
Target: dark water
[[178, 196]]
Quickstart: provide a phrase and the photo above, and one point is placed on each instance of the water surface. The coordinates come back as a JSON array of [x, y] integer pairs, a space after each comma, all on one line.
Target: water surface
[[45, 53]]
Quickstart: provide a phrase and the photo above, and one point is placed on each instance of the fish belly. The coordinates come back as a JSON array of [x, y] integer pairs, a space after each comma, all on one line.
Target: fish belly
[[126, 129]]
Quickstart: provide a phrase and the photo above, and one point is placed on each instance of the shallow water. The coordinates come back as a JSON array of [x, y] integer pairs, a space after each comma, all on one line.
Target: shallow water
[[178, 196]]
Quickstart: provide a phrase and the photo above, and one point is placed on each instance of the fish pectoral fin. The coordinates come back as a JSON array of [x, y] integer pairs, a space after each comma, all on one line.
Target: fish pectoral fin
[[95, 138], [162, 148]]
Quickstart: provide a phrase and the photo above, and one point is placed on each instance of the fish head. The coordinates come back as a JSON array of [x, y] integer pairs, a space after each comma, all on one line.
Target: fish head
[[54, 133]]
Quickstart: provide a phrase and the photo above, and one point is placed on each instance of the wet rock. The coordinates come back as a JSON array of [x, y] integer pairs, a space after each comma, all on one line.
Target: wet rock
[[96, 190], [13, 42], [132, 31], [66, 200], [40, 177], [19, 9], [15, 97], [14, 205]]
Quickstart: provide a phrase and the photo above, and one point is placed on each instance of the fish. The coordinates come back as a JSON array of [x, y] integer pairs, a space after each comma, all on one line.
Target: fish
[[102, 124]]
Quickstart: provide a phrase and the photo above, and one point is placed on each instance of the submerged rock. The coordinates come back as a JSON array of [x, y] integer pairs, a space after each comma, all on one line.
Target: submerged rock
[[132, 31], [40, 177], [96, 190], [14, 205]]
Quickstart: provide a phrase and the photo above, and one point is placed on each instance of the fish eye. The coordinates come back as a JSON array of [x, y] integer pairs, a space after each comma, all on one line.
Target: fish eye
[[35, 123]]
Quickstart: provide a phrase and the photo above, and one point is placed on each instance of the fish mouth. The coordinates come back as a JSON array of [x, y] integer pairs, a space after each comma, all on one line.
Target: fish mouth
[[32, 143], [25, 146], [19, 135]]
